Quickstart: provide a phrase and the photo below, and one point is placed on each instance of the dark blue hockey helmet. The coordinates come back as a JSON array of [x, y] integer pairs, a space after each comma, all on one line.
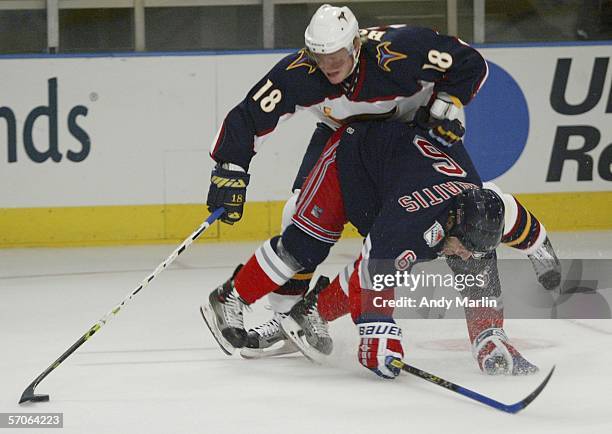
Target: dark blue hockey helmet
[[479, 220]]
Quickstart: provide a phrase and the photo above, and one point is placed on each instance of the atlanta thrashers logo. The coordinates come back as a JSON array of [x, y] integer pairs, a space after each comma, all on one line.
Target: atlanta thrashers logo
[[303, 60], [385, 55]]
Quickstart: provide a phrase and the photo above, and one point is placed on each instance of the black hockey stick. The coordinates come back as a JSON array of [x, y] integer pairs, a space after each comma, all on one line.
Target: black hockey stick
[[508, 408], [29, 395]]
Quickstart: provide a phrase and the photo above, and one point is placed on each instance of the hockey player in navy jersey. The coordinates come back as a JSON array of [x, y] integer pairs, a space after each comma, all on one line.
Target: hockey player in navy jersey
[[344, 75], [414, 201]]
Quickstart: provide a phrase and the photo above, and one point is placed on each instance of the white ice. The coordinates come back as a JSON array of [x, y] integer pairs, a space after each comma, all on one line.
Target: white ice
[[155, 368]]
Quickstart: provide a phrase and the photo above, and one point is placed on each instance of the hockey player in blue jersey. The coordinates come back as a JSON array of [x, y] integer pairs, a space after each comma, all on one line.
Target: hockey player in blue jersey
[[414, 201], [344, 75]]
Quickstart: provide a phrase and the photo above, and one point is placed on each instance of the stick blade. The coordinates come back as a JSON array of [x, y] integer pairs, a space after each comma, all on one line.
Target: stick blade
[[29, 395], [515, 408]]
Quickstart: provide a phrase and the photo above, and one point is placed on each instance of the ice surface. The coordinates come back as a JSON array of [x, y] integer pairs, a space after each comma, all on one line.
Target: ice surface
[[155, 368]]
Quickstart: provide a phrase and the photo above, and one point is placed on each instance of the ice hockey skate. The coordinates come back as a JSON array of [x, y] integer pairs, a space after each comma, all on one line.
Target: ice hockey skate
[[546, 265], [223, 316], [305, 327], [268, 340], [496, 356]]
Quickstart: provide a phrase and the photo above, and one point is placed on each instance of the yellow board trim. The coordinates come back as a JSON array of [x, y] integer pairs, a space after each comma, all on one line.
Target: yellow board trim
[[146, 224], [577, 211]]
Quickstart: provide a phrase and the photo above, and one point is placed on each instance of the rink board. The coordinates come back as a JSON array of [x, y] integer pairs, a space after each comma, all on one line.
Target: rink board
[[113, 149], [111, 225]]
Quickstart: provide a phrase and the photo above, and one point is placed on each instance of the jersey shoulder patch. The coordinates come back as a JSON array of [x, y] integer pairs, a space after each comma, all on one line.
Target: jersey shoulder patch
[[434, 234], [301, 60], [390, 44], [299, 79], [385, 55]]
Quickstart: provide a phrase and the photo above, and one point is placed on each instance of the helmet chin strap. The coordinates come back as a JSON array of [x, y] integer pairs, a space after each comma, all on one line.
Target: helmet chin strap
[[355, 53]]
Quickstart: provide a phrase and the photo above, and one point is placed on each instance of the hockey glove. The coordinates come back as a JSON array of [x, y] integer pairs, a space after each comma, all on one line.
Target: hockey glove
[[447, 132], [446, 128], [440, 121], [496, 356], [228, 190], [380, 344]]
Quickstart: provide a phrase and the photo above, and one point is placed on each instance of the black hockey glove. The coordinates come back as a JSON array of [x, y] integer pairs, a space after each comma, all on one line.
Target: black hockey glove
[[445, 131], [227, 190]]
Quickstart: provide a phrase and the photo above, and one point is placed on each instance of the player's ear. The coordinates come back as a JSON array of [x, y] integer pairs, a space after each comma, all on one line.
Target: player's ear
[[450, 221]]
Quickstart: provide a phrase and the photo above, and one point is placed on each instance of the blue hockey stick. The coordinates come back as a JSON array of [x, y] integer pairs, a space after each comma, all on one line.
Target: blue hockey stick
[[508, 408], [28, 393]]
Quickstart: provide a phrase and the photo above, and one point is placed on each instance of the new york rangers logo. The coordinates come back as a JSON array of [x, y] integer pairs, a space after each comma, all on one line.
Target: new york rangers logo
[[434, 234], [316, 211]]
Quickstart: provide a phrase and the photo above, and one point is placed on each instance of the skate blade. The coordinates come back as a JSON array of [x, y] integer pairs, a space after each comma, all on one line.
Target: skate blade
[[295, 334], [288, 347], [209, 318]]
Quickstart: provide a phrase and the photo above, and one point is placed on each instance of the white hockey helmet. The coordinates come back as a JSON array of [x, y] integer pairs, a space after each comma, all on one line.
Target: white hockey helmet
[[331, 29]]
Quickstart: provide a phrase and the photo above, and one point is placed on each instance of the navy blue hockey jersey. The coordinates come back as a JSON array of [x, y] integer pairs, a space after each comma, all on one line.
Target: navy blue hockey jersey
[[398, 187], [398, 70]]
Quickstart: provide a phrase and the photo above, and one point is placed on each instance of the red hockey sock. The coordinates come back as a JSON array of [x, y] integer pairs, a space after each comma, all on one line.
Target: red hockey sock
[[333, 302], [366, 303], [482, 318], [263, 273], [252, 282]]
